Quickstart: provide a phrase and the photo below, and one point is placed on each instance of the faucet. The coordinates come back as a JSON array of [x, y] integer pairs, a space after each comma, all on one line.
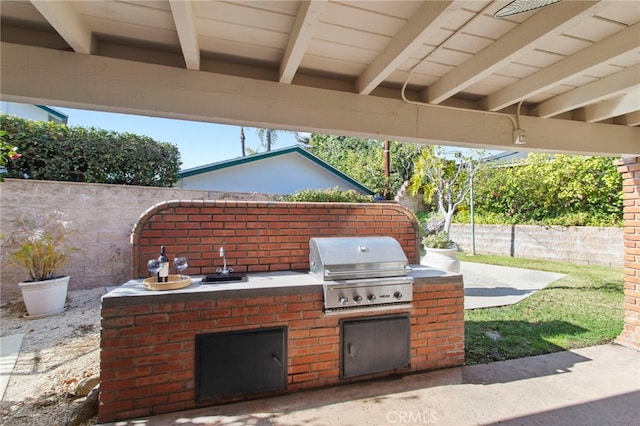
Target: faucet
[[224, 270]]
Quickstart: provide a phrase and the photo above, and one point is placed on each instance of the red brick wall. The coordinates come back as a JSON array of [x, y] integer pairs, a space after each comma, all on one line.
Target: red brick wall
[[260, 236], [630, 170], [147, 343]]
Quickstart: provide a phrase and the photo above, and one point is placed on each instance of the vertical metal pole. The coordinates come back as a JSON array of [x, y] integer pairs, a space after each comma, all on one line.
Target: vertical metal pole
[[387, 172], [473, 223]]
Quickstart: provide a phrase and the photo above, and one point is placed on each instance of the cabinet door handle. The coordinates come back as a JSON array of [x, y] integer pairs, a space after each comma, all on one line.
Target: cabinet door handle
[[276, 360]]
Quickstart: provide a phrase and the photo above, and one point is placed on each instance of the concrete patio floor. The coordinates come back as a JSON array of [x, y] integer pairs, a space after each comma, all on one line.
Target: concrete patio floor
[[592, 386], [9, 351], [491, 285]]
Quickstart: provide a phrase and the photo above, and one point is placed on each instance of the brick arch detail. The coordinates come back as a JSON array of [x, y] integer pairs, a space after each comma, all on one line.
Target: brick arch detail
[[260, 236]]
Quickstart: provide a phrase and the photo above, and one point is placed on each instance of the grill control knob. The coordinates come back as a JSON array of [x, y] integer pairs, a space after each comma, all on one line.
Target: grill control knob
[[343, 300], [397, 295], [357, 299], [372, 298]]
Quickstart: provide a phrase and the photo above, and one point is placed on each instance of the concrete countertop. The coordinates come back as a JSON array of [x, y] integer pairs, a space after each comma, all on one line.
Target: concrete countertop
[[255, 281], [282, 282], [422, 271]]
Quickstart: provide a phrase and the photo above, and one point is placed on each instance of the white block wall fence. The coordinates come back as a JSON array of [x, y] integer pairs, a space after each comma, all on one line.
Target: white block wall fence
[[575, 244]]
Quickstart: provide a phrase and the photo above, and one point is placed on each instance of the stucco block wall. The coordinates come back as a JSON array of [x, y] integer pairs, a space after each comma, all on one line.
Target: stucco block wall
[[103, 214], [583, 245]]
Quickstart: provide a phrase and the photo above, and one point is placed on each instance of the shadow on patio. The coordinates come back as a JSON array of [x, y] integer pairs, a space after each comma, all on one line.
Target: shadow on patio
[[590, 386]]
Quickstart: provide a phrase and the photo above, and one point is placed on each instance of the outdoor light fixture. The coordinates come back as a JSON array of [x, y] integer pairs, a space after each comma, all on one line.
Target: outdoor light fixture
[[520, 6], [518, 133]]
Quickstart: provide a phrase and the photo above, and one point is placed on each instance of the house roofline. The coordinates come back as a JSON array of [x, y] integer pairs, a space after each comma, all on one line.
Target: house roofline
[[274, 153], [62, 116]]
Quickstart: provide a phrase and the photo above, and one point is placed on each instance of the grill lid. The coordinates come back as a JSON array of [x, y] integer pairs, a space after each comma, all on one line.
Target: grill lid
[[346, 258]]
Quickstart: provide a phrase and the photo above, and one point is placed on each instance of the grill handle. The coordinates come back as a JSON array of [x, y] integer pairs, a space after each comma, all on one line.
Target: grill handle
[[350, 274]]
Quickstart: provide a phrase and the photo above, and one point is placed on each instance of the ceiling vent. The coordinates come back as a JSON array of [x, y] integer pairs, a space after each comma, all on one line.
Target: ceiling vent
[[521, 6]]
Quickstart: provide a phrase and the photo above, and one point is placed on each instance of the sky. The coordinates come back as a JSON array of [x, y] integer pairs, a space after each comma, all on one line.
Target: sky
[[199, 143]]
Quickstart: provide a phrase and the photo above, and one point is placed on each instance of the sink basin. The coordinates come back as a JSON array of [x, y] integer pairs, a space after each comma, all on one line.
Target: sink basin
[[219, 278]]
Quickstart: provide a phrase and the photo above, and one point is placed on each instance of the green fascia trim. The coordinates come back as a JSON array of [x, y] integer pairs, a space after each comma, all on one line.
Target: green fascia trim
[[251, 158], [62, 116]]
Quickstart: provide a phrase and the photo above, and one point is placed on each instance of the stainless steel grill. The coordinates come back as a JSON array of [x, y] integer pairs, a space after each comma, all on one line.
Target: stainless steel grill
[[361, 272]]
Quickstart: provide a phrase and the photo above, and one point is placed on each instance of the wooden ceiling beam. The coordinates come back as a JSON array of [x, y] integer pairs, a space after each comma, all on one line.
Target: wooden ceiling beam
[[301, 34], [66, 20], [609, 108], [115, 85], [612, 85], [631, 119], [548, 22], [619, 44], [182, 11], [422, 25]]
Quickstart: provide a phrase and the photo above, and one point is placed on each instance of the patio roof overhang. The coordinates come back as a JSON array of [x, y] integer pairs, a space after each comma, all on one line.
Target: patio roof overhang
[[572, 68]]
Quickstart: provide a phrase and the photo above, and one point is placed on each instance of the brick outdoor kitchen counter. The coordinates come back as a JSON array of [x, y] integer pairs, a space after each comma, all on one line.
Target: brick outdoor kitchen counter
[[148, 341], [165, 351]]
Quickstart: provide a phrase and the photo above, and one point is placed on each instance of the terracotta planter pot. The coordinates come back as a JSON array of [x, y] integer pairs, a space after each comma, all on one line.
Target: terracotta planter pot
[[44, 298], [443, 259]]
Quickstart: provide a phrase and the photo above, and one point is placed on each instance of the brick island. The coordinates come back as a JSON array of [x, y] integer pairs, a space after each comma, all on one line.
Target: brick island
[[156, 346]]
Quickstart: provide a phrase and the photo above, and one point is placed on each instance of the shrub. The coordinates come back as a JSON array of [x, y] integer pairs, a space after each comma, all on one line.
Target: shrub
[[439, 240], [51, 151], [334, 195]]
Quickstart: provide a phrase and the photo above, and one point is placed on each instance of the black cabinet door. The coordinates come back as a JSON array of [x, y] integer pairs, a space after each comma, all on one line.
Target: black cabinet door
[[373, 345], [242, 362]]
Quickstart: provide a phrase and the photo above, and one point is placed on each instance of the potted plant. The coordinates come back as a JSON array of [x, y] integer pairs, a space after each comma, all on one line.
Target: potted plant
[[40, 247], [440, 252]]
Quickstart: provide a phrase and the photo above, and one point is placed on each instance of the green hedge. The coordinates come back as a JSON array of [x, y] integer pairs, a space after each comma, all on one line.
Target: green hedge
[[51, 151], [559, 190], [334, 195], [567, 190]]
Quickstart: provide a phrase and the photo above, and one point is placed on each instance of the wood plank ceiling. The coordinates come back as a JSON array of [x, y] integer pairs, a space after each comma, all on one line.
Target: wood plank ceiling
[[572, 61]]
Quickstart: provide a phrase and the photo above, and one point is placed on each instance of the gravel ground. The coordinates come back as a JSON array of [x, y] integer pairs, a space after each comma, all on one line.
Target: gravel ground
[[57, 353]]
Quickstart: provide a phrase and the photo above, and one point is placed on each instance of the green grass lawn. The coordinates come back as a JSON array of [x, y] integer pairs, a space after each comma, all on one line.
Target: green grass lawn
[[585, 308]]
